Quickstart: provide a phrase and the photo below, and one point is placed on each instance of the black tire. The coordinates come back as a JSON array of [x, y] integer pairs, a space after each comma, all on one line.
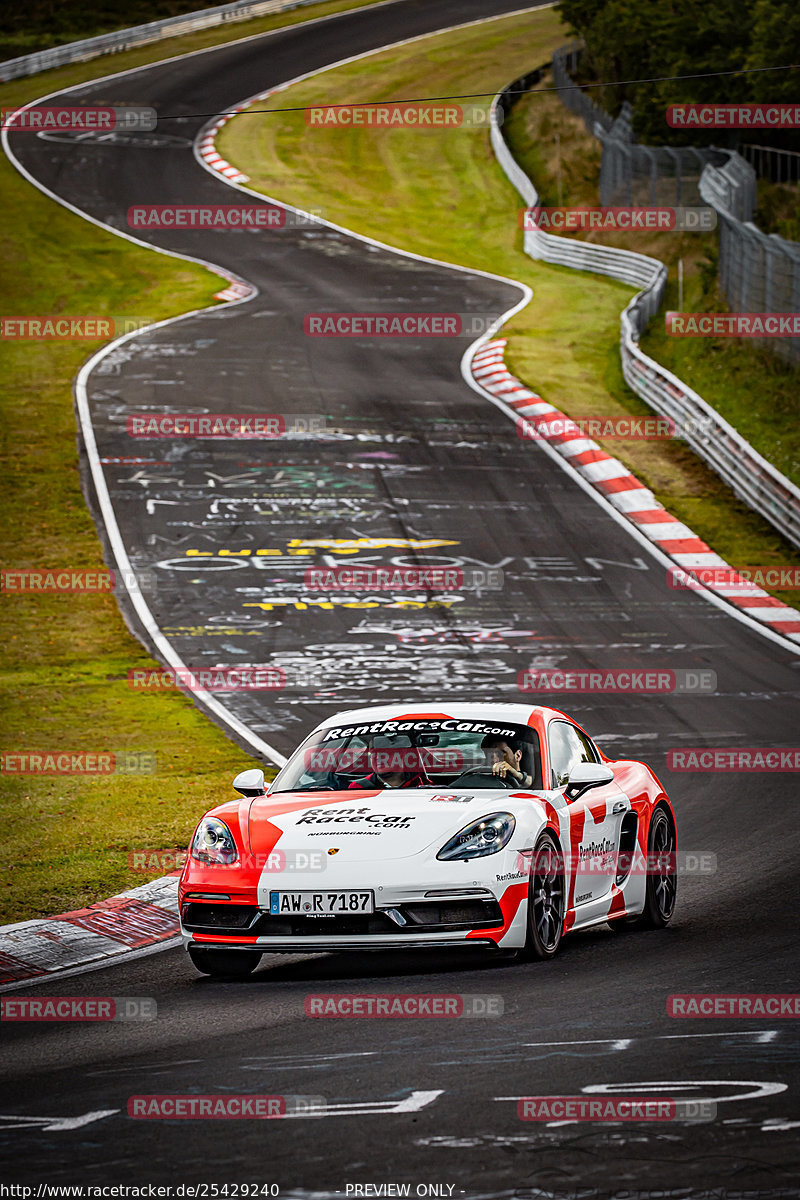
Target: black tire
[[662, 877], [546, 900], [222, 964]]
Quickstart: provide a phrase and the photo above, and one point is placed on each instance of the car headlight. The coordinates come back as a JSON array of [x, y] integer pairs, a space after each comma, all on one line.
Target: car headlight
[[213, 843], [479, 838]]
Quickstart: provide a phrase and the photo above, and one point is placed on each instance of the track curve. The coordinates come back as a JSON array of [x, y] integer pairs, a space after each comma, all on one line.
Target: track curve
[[420, 457]]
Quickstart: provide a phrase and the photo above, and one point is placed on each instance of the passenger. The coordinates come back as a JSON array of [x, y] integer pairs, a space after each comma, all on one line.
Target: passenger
[[385, 775], [390, 779], [504, 755]]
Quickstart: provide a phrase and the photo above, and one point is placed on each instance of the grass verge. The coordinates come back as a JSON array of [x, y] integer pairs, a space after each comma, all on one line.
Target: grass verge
[[64, 659], [442, 193]]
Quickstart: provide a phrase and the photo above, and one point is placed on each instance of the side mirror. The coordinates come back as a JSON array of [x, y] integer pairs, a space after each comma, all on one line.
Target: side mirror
[[587, 775], [250, 783]]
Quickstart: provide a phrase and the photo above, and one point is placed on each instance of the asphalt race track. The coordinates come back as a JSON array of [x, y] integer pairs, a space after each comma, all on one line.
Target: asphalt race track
[[410, 452]]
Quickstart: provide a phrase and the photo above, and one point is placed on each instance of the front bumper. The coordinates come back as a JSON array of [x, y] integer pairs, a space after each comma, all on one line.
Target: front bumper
[[402, 921], [444, 904]]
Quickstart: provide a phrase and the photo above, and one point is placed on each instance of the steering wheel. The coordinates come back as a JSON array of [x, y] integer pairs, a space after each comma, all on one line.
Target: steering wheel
[[501, 779]]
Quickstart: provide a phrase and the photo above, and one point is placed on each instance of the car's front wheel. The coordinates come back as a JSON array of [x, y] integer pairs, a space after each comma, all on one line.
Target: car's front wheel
[[225, 964], [546, 899]]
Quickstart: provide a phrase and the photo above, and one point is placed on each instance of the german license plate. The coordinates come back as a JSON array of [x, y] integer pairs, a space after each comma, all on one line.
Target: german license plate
[[320, 904]]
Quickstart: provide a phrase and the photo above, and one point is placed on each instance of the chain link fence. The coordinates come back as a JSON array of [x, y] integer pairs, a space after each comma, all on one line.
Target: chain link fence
[[758, 272], [779, 166], [565, 62], [631, 173]]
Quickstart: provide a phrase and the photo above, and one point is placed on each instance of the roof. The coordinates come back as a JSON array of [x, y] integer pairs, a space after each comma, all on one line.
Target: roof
[[518, 714]]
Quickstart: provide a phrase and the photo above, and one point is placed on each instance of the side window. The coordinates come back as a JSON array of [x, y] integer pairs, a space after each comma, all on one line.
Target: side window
[[590, 750], [568, 747]]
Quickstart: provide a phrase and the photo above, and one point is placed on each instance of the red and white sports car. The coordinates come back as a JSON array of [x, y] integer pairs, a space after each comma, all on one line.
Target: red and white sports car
[[486, 825]]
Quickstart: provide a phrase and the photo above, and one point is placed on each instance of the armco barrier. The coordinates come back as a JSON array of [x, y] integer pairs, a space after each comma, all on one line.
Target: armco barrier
[[750, 476], [140, 35]]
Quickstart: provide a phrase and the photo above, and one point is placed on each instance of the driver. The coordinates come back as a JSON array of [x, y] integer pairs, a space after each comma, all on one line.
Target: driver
[[504, 756]]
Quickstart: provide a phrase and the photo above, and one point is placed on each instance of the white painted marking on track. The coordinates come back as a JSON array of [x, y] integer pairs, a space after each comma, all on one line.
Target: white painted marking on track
[[161, 1069], [412, 1103], [294, 1062], [615, 1043], [55, 1124], [669, 1087], [760, 1035]]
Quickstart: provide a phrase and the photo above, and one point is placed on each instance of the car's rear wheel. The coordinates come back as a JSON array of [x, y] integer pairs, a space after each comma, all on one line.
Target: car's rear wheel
[[546, 899], [225, 964], [662, 876]]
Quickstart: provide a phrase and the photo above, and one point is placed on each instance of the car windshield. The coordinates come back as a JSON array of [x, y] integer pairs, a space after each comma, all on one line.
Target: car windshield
[[431, 752]]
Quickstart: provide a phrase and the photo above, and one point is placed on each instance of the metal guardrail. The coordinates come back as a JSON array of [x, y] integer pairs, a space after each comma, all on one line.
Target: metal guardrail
[[731, 187], [750, 476], [141, 35]]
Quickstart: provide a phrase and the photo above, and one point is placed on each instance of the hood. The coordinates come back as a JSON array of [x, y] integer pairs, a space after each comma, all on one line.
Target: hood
[[394, 823]]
